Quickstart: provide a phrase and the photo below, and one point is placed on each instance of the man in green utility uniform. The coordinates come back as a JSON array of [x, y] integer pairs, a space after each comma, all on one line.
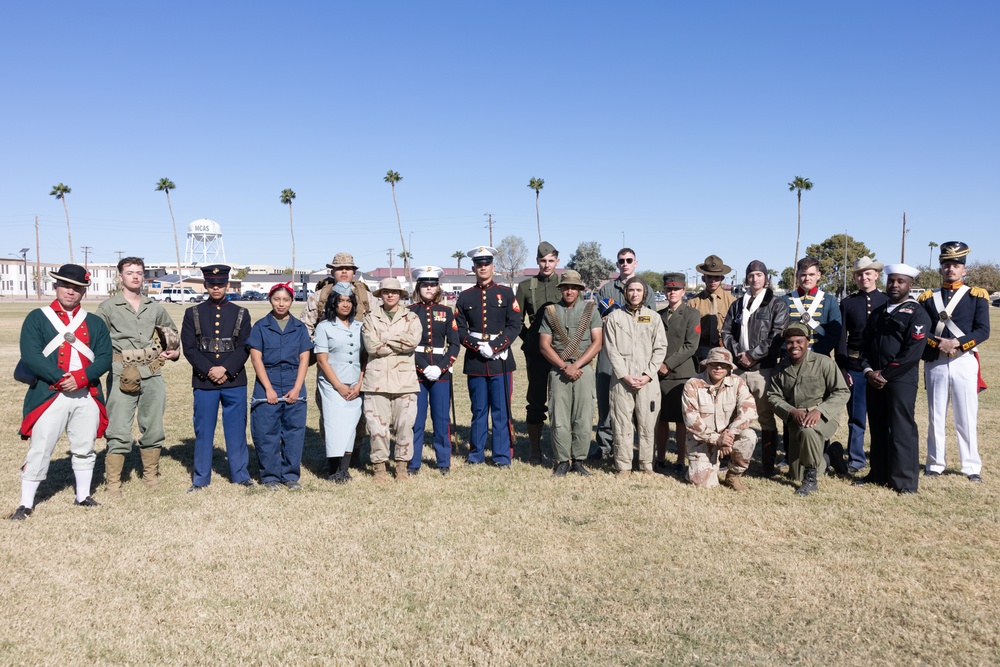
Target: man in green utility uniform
[[569, 338]]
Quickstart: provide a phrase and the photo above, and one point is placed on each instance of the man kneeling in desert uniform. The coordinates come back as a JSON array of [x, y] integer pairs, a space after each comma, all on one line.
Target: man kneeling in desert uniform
[[718, 408]]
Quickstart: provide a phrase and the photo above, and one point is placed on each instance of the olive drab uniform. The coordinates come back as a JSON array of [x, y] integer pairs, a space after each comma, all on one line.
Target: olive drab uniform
[[571, 403], [533, 296], [894, 341]]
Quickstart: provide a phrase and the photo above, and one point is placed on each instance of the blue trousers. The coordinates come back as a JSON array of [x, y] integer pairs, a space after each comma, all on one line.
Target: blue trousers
[[490, 395], [234, 428], [856, 413], [279, 432], [437, 394]]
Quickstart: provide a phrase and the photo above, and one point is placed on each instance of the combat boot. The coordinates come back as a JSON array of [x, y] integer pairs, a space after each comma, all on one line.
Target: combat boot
[[379, 470], [150, 467], [401, 471], [733, 481], [113, 464], [768, 452], [808, 483], [534, 444]]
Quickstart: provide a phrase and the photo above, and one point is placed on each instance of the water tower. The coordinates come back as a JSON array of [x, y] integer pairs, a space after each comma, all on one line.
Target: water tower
[[204, 243]]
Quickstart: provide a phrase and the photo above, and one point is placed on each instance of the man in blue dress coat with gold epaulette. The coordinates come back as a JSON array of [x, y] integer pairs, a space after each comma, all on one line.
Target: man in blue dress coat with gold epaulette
[[214, 336]]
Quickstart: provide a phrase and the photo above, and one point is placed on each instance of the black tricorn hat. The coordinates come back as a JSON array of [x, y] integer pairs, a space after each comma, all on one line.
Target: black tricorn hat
[[74, 274]]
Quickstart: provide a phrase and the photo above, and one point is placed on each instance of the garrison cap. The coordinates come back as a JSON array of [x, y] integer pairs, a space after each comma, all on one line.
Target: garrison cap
[[953, 251], [343, 288], [546, 248], [216, 274]]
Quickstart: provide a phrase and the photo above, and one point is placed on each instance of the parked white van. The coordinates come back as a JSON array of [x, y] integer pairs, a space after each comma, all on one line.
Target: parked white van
[[177, 294]]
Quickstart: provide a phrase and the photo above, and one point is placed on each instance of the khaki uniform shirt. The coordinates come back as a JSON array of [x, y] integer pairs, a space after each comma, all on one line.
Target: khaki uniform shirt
[[389, 371], [310, 314], [815, 383], [713, 309], [570, 318], [131, 330], [635, 343], [710, 411]]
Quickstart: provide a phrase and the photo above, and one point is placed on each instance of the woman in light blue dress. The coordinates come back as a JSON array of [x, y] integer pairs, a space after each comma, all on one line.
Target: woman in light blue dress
[[341, 357]]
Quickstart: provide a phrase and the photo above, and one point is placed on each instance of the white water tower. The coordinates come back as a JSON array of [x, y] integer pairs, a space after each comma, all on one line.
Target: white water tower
[[204, 243]]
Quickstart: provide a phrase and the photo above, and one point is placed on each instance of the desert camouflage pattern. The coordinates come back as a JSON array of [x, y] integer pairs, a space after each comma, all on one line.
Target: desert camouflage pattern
[[317, 302], [708, 412], [390, 343], [395, 412]]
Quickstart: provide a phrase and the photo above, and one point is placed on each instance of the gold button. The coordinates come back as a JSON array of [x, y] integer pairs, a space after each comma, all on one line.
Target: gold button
[[216, 331], [216, 356]]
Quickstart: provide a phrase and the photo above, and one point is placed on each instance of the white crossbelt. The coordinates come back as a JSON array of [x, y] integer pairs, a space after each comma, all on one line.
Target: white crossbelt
[[64, 333], [949, 323], [811, 321]]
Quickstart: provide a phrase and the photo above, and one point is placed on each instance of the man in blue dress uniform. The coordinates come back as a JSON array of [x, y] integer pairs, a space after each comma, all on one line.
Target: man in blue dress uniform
[[434, 356], [854, 312], [214, 336], [960, 315], [814, 308], [489, 320]]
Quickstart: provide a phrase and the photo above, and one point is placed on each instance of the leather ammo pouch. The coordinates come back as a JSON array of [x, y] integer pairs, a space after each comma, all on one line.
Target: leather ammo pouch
[[130, 380]]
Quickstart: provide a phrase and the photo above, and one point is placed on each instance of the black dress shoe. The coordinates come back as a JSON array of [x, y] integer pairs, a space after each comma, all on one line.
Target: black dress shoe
[[578, 468], [293, 485], [446, 470], [411, 472], [503, 466], [271, 486], [905, 491], [862, 481], [561, 469], [247, 483], [853, 470], [194, 487], [931, 473], [976, 478], [21, 513], [87, 502]]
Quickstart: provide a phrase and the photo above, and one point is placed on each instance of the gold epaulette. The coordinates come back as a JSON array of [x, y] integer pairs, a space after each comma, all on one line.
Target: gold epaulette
[[926, 295], [979, 292]]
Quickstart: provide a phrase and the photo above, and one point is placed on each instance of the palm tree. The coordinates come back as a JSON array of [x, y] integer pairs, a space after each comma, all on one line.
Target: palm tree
[[930, 253], [393, 177], [287, 195], [166, 185], [537, 184], [798, 185], [459, 255], [59, 192]]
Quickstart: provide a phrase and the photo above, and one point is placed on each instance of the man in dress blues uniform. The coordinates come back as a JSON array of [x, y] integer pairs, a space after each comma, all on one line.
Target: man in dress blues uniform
[[894, 341], [214, 336], [854, 312], [489, 320], [435, 355], [961, 321], [814, 308]]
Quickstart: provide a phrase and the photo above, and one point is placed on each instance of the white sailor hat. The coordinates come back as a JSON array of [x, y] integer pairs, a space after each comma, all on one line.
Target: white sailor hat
[[482, 253], [427, 274], [902, 269]]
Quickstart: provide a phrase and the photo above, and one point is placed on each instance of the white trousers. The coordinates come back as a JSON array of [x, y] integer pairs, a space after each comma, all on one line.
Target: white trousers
[[953, 379], [78, 415]]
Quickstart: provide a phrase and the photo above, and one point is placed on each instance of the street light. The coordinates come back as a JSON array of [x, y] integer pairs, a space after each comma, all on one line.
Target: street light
[[24, 258]]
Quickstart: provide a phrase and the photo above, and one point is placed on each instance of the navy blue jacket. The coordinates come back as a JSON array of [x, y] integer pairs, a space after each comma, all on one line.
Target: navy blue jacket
[[894, 342], [218, 321], [439, 330], [972, 316], [489, 310], [854, 313]]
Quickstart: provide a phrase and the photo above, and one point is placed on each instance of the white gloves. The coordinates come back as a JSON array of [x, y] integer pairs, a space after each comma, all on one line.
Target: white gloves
[[485, 350], [432, 373]]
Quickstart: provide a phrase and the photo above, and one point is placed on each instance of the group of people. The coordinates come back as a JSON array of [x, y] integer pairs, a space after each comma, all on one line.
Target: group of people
[[710, 366]]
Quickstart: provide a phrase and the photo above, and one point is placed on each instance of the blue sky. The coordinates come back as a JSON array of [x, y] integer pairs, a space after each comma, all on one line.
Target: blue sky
[[677, 124]]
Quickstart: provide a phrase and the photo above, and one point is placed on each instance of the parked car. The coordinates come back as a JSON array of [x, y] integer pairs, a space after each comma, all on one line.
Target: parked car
[[253, 295], [178, 295], [996, 302]]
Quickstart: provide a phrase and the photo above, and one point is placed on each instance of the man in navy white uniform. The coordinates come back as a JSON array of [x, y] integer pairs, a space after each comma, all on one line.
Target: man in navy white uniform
[[960, 316], [489, 320], [435, 355], [214, 338]]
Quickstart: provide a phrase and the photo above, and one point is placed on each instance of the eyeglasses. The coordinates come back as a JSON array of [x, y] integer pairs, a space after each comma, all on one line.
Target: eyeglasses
[[626, 260]]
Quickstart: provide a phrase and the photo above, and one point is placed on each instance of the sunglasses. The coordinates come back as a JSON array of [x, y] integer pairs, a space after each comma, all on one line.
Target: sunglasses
[[626, 260]]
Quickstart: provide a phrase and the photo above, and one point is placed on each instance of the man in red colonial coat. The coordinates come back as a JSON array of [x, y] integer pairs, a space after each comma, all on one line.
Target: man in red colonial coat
[[64, 352]]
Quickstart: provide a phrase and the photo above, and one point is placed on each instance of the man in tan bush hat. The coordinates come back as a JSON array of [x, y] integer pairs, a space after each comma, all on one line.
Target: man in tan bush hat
[[713, 303]]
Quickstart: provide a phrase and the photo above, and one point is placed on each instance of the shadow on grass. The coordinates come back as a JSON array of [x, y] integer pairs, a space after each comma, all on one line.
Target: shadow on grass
[[184, 454], [60, 476]]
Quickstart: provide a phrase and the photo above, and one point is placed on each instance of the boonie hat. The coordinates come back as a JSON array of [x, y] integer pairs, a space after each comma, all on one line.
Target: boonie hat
[[719, 355], [571, 278], [342, 259], [388, 285]]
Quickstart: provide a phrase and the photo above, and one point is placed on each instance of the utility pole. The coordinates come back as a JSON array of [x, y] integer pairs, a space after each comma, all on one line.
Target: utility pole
[[122, 252], [389, 251], [845, 263], [490, 225], [902, 251], [38, 264], [86, 255]]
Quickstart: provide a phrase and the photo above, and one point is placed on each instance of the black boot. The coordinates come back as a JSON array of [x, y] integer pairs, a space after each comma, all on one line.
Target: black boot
[[561, 469], [808, 483], [332, 466], [578, 468], [344, 471]]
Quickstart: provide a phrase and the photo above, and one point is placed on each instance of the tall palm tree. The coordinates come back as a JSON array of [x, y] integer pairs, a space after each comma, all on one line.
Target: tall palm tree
[[59, 192], [537, 184], [166, 185], [797, 185], [393, 177], [287, 195], [459, 255], [930, 253]]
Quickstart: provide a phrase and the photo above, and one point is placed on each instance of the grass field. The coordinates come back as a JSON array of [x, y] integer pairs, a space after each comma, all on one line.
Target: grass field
[[494, 568]]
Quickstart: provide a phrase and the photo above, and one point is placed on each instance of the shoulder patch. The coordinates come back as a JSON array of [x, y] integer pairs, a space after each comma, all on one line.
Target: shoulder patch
[[926, 295], [517, 308], [644, 319]]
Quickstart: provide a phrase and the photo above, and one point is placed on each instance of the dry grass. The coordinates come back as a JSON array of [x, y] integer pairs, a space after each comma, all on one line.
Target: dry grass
[[486, 567]]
